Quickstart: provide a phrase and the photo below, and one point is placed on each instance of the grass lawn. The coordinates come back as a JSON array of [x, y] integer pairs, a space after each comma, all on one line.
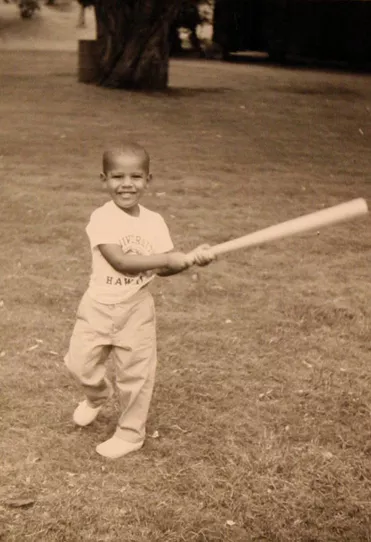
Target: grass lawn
[[260, 425]]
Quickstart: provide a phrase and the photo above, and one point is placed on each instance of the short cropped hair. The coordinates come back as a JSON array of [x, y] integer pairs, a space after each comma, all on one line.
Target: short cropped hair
[[133, 149]]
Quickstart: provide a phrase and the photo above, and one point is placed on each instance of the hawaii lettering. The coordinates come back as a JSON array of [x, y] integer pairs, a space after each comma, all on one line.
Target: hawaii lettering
[[125, 280]]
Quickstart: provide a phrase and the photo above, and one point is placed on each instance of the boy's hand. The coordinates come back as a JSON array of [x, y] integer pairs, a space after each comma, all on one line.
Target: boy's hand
[[201, 255], [177, 261]]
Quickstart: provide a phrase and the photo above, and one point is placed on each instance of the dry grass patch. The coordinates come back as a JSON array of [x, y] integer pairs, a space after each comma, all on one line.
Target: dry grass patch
[[260, 423]]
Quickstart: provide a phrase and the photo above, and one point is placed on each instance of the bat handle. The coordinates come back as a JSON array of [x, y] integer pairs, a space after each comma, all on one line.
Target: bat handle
[[190, 258], [191, 255]]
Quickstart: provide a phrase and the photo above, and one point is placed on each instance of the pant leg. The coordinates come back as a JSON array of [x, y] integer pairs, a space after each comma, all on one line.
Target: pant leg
[[89, 349], [135, 370]]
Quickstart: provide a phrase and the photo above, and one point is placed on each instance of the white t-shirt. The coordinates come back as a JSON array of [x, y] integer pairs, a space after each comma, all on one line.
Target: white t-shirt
[[146, 234]]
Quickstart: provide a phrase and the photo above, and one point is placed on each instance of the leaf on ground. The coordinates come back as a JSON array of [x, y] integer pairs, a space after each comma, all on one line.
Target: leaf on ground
[[32, 348], [328, 455], [302, 392], [230, 523], [32, 459], [155, 434], [180, 429], [20, 503]]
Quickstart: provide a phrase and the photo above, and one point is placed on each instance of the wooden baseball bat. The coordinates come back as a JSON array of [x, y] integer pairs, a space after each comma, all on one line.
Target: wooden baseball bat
[[313, 221]]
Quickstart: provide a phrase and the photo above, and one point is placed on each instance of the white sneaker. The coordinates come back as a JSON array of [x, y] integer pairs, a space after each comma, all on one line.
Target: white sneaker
[[85, 414], [115, 447]]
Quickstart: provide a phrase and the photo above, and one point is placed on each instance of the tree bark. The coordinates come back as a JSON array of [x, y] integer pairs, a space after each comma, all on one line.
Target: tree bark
[[133, 42]]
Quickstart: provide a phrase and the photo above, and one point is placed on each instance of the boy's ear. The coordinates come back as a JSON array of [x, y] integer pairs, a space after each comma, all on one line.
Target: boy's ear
[[149, 178], [103, 177]]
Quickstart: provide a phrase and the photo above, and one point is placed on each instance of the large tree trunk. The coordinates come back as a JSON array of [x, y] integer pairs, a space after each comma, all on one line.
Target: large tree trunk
[[133, 42]]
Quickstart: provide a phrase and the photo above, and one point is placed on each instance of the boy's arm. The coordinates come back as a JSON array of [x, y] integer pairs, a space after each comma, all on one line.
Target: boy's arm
[[163, 271], [201, 255], [171, 262]]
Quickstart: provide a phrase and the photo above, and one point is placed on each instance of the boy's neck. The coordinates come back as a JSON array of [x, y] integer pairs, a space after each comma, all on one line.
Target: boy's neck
[[133, 211]]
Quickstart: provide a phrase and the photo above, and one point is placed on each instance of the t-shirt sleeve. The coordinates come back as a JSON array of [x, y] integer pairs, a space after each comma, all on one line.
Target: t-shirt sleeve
[[100, 230], [163, 241]]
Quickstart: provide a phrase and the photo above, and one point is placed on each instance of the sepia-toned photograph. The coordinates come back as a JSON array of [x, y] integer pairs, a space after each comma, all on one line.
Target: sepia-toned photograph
[[185, 271]]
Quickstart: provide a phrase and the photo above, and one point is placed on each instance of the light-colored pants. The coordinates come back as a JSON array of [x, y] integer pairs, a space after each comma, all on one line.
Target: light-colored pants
[[128, 331]]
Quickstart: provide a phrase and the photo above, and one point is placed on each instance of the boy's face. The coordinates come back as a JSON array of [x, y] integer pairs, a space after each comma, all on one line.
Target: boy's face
[[126, 181]]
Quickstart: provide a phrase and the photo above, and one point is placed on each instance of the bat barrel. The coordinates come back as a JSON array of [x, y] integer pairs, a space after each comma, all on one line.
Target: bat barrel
[[325, 217]]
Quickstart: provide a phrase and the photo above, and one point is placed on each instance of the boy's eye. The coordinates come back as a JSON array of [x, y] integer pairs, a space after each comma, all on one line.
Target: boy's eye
[[121, 176]]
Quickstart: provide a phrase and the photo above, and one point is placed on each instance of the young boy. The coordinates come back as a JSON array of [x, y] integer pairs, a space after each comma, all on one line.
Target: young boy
[[130, 245]]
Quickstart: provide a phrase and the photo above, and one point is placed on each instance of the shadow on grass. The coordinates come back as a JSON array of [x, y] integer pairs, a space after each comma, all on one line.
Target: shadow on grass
[[189, 92], [170, 92], [321, 90]]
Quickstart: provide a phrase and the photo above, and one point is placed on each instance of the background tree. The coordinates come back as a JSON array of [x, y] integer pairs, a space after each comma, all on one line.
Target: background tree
[[133, 43]]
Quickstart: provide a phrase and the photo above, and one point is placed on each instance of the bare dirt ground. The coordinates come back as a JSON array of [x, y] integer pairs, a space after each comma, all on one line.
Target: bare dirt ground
[[260, 426]]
